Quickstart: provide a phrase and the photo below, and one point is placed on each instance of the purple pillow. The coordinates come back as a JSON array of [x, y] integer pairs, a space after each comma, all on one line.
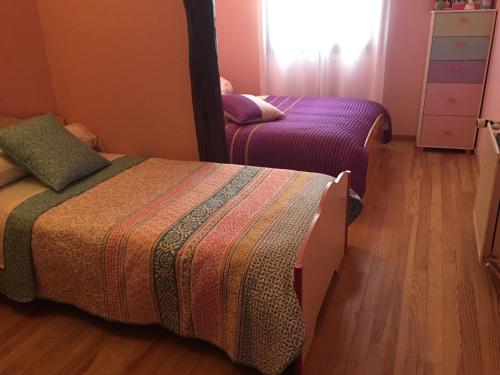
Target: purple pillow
[[248, 109]]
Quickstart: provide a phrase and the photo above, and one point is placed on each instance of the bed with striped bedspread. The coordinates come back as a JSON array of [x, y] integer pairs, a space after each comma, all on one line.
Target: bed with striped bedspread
[[323, 135], [206, 250]]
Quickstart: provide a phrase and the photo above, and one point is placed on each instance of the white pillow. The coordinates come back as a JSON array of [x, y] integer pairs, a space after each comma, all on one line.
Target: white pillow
[[83, 134], [10, 171], [225, 86]]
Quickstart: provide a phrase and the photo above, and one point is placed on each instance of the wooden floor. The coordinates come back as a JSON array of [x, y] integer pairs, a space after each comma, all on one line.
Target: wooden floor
[[410, 298]]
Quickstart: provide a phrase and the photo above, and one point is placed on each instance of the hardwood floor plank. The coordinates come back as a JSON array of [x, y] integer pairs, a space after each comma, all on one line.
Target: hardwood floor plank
[[450, 233], [380, 309], [411, 296], [433, 351]]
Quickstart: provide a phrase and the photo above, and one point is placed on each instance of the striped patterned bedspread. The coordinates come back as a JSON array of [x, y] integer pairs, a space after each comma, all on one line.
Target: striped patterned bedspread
[[323, 135], [205, 250]]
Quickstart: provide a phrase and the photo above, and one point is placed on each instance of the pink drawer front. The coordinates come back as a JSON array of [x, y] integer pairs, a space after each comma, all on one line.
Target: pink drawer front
[[456, 71], [455, 99], [448, 132]]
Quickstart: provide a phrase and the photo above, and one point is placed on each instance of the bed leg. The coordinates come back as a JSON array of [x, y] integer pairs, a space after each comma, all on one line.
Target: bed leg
[[469, 152], [420, 149]]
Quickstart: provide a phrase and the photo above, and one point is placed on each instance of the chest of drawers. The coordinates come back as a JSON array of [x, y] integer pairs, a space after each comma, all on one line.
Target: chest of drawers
[[455, 74]]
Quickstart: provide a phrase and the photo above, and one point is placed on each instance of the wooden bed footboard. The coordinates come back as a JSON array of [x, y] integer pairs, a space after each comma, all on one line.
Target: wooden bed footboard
[[320, 257], [374, 145], [324, 246]]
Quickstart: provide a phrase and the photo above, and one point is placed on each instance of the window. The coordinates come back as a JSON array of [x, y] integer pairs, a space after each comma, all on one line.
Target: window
[[311, 28]]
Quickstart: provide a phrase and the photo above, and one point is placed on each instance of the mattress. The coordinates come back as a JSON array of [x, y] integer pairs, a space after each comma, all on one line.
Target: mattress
[[323, 135], [206, 250]]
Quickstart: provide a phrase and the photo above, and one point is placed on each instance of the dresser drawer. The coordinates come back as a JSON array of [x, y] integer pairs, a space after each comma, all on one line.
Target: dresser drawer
[[454, 99], [454, 71], [448, 132], [475, 23], [460, 48]]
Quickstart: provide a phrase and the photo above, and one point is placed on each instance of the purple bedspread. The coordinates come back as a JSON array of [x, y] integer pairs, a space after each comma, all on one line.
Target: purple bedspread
[[323, 135]]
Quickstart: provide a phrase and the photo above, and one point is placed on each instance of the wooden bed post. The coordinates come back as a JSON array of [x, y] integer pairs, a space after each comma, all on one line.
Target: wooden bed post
[[374, 145]]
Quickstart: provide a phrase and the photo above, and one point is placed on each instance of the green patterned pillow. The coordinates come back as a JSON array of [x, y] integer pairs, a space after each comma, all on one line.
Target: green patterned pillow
[[50, 152]]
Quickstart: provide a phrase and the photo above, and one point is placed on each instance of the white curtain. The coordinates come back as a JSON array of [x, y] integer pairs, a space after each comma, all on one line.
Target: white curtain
[[324, 47]]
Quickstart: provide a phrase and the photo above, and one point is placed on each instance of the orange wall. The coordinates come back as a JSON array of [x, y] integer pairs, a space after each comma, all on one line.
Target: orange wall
[[491, 104], [238, 26], [238, 33], [121, 67], [24, 72]]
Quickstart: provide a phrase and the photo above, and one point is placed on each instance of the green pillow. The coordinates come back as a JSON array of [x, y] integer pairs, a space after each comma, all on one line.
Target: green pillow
[[50, 152]]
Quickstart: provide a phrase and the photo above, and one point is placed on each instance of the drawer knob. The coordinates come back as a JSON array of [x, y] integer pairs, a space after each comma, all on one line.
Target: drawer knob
[[447, 132], [460, 44], [464, 19], [452, 100], [456, 67]]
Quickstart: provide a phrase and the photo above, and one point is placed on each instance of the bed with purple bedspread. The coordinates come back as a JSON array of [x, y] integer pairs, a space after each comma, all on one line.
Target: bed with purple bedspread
[[323, 135]]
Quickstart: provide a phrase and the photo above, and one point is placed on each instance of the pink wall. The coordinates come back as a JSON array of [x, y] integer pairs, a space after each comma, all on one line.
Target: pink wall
[[491, 104], [121, 67], [238, 30], [238, 33], [24, 72], [407, 43]]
